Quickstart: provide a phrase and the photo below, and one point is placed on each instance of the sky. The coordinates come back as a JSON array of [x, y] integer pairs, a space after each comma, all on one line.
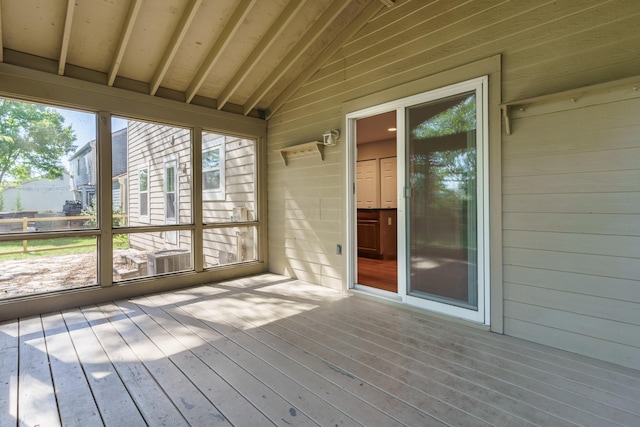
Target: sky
[[84, 124]]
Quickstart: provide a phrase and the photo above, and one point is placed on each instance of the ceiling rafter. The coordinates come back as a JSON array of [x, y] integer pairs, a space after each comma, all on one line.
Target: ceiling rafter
[[232, 26], [329, 15], [66, 36], [130, 21], [175, 42], [260, 50], [363, 18]]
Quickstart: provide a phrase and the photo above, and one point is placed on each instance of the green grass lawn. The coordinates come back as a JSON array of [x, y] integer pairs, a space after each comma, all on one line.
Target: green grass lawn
[[56, 246]]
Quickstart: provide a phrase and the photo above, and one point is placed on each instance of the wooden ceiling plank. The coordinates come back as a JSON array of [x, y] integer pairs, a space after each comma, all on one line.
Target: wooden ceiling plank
[[66, 35], [232, 26], [268, 40], [176, 40], [132, 15], [298, 50], [361, 20]]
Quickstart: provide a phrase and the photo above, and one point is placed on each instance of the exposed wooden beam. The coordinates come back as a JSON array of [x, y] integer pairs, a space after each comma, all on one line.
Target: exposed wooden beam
[[66, 35], [175, 42], [232, 26], [363, 18], [132, 15], [314, 32], [260, 50]]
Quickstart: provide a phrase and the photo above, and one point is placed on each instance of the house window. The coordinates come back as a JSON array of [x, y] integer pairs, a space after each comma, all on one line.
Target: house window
[[213, 161], [171, 199], [143, 183]]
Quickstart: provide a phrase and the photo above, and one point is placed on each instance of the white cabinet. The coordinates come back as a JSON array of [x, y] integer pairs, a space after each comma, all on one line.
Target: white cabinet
[[376, 185], [368, 184], [388, 183]]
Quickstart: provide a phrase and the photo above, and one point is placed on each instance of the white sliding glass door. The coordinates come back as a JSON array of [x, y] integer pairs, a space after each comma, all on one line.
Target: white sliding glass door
[[442, 192]]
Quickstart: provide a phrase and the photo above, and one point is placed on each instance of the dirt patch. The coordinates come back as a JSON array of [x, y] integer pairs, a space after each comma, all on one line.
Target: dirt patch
[[44, 273]]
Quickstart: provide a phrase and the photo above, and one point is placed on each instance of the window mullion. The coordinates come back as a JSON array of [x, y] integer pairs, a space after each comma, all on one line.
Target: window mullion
[[105, 202], [196, 186]]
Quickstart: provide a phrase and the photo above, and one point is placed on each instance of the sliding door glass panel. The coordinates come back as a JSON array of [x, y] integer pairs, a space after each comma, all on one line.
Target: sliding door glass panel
[[441, 172]]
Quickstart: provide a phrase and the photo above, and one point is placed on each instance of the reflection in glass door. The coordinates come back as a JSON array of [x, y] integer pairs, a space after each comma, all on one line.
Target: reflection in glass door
[[442, 207]]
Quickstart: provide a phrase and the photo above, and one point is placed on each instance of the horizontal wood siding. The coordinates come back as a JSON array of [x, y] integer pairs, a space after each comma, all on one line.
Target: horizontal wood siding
[[572, 230], [567, 178]]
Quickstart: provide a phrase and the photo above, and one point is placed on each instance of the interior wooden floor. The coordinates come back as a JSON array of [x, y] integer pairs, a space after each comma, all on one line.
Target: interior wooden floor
[[269, 350], [378, 273]]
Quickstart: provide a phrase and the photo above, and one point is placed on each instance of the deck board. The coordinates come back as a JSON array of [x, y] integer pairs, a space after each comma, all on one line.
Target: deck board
[[9, 373], [269, 350], [36, 397], [76, 404]]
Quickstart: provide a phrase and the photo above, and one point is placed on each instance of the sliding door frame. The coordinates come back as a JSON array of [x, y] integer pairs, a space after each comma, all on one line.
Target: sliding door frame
[[384, 101]]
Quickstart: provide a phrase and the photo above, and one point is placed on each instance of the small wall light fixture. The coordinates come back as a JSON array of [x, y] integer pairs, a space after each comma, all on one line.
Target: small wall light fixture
[[331, 137]]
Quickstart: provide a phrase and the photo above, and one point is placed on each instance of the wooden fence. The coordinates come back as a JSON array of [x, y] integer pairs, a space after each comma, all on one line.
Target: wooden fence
[[54, 223]]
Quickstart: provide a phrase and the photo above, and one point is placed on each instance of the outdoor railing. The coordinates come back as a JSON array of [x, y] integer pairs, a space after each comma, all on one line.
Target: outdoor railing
[[26, 224]]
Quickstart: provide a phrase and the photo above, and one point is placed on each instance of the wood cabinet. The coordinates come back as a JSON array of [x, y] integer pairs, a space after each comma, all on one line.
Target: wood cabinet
[[377, 233]]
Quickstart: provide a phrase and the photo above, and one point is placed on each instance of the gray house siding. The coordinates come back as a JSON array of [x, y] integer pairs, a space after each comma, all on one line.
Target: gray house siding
[[570, 226]]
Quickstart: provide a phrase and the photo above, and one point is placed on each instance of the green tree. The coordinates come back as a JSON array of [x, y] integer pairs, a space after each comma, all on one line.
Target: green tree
[[33, 141], [18, 206]]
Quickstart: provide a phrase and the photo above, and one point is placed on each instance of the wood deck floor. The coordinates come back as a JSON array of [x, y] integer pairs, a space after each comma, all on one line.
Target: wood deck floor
[[269, 350]]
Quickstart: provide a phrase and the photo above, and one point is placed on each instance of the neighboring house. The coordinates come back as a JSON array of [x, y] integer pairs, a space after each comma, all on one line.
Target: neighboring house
[[83, 178], [119, 170], [83, 171], [38, 195], [160, 189]]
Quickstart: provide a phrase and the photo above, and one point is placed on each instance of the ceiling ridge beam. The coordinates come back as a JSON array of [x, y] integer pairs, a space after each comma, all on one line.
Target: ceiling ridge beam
[[363, 18], [260, 50], [329, 15], [232, 26], [130, 21], [66, 35], [172, 48]]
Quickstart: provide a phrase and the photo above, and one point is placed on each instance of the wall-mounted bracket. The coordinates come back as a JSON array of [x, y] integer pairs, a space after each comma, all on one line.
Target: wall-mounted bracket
[[505, 116], [307, 147]]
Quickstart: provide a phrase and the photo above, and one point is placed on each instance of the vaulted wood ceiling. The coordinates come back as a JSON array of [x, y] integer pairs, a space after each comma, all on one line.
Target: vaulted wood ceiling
[[243, 56]]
